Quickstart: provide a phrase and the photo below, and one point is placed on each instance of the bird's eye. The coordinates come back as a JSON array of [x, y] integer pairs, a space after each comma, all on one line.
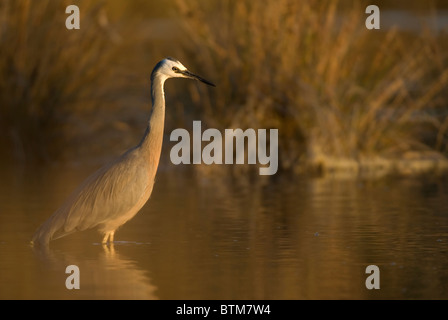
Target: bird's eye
[[175, 69]]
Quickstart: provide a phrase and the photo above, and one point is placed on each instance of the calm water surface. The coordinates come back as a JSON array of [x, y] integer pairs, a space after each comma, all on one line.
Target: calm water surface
[[219, 237]]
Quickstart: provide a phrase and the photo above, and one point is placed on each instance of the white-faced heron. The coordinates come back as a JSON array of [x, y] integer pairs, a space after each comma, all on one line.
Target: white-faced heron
[[116, 192]]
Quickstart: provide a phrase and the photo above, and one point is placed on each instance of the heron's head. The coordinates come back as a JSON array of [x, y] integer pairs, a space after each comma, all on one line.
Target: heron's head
[[172, 68]]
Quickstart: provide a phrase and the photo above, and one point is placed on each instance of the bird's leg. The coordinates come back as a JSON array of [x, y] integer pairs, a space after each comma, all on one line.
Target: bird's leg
[[109, 235], [109, 250], [106, 236]]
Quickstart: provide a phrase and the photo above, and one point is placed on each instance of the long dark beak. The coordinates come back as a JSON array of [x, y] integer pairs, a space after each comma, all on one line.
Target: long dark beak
[[194, 76]]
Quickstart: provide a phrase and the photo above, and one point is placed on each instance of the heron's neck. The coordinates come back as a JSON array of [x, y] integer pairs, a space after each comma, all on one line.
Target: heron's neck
[[152, 140]]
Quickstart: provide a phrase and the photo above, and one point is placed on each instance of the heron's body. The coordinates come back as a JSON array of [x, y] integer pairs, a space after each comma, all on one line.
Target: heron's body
[[116, 192]]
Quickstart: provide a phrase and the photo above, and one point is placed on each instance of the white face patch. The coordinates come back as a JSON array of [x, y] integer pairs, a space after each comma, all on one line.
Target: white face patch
[[171, 62], [180, 66], [168, 66]]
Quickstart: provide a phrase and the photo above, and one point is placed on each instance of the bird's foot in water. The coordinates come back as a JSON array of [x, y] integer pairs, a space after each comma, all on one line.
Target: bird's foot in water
[[108, 237]]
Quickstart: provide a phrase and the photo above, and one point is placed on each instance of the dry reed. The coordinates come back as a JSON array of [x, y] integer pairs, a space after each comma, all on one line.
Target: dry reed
[[334, 89]]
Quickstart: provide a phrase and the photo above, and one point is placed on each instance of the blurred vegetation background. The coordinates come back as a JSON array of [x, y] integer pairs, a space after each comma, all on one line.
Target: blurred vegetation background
[[338, 93]]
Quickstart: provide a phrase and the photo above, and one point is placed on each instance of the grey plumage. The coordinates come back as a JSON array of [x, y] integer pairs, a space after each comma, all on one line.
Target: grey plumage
[[116, 192]]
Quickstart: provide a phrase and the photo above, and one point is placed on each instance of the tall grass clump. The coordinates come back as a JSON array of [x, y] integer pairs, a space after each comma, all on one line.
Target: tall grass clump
[[310, 68], [48, 73]]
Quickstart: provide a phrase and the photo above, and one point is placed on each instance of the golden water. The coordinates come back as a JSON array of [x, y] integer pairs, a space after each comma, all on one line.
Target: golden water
[[222, 237]]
